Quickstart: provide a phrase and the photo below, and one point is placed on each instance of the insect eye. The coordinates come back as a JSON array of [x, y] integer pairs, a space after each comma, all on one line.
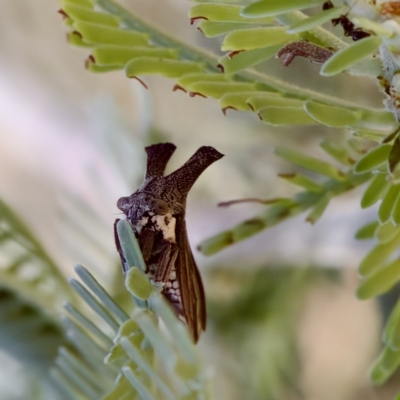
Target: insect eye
[[160, 207], [124, 204]]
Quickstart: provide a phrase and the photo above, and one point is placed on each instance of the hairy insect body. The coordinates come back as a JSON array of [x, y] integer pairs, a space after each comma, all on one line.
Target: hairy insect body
[[156, 212]]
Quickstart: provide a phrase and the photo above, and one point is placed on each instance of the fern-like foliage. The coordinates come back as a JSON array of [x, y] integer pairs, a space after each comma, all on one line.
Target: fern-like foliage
[[121, 40], [129, 357], [380, 267], [31, 291], [253, 33]]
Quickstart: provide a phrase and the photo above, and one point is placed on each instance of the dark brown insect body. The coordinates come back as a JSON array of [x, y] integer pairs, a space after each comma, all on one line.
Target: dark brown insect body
[[156, 212], [348, 26]]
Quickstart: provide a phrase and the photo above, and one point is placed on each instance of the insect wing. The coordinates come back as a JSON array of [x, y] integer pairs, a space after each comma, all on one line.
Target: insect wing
[[190, 284]]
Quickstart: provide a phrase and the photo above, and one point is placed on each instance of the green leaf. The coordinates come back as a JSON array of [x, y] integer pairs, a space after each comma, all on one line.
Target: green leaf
[[269, 8], [247, 228], [75, 39], [130, 246], [224, 13], [396, 211], [276, 100], [138, 283], [388, 202], [256, 38], [92, 67], [246, 59], [380, 281], [394, 156], [285, 116], [120, 55], [378, 256], [319, 208], [236, 100], [375, 191], [367, 231], [188, 79], [386, 232], [391, 333], [163, 66], [302, 181], [84, 14], [328, 115], [216, 243], [385, 366], [212, 29], [336, 151], [311, 163], [101, 34], [350, 55], [373, 159], [317, 19], [217, 89]]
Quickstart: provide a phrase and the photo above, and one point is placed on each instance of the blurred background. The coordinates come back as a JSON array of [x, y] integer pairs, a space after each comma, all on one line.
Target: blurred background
[[283, 319]]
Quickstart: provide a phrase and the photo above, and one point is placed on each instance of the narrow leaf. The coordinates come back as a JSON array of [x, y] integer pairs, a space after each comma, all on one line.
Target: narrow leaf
[[388, 202], [100, 34], [84, 14], [285, 116], [223, 13], [138, 283], [391, 334], [367, 231], [120, 55], [375, 191], [319, 208], [336, 117], [212, 29], [394, 156], [350, 55], [217, 89], [386, 232], [385, 366], [396, 210], [216, 243], [311, 163], [247, 228], [246, 59], [378, 256], [275, 100], [302, 181], [373, 159], [237, 100], [380, 281], [275, 7], [163, 66], [338, 152], [186, 80], [250, 39]]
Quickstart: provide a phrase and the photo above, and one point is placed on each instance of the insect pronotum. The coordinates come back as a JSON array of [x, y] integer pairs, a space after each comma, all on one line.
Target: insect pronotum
[[156, 212]]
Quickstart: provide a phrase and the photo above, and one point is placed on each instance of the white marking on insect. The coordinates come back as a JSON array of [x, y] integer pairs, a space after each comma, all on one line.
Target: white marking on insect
[[166, 224], [175, 284]]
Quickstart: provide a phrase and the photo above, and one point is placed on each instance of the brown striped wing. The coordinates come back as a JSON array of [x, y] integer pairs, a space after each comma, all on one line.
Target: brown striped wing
[[190, 284]]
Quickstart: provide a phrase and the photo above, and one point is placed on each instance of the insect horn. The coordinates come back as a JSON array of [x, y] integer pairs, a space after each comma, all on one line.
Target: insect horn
[[184, 177], [158, 156]]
